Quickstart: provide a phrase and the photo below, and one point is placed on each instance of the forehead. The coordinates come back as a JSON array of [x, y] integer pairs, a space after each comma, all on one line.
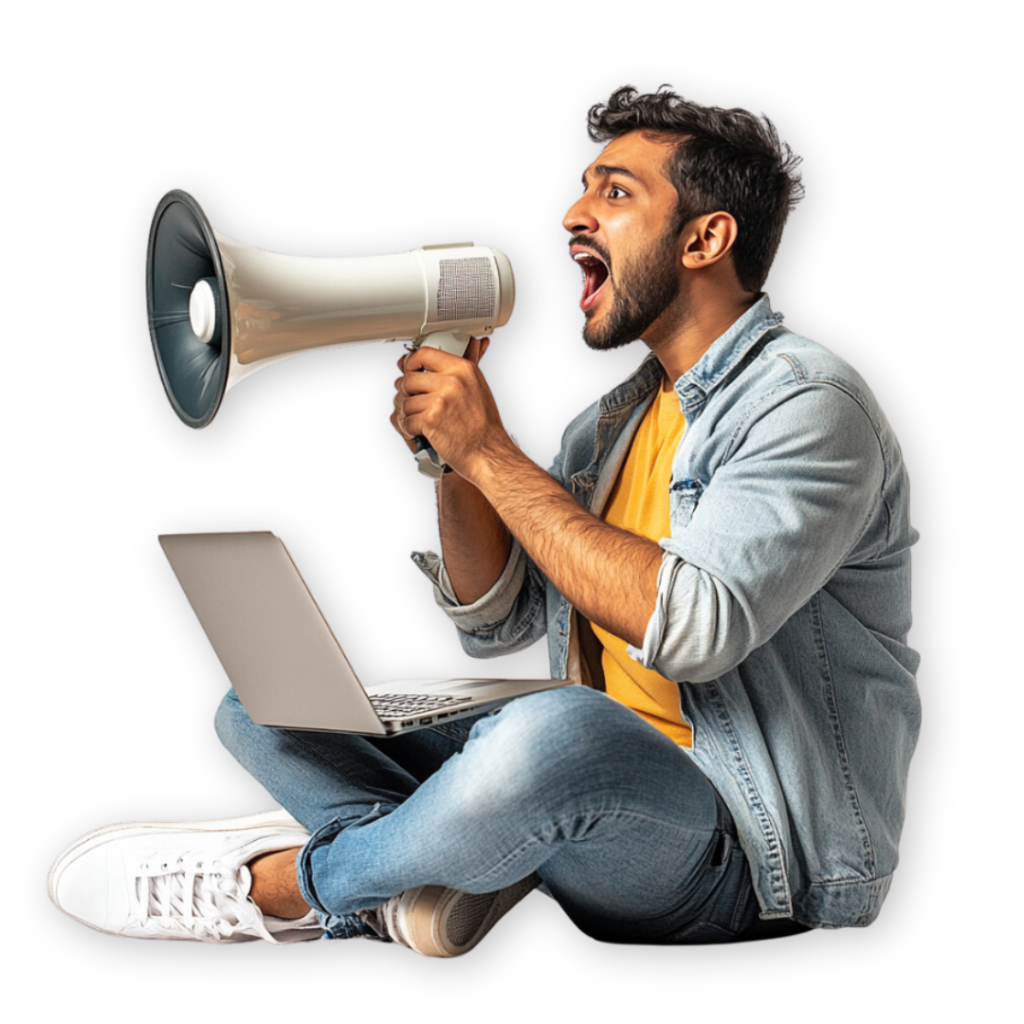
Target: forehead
[[640, 156]]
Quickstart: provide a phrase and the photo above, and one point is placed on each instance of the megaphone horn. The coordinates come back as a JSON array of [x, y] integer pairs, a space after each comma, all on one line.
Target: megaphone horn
[[219, 310]]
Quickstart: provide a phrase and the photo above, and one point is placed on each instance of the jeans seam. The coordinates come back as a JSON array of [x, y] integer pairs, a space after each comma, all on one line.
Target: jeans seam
[[534, 841]]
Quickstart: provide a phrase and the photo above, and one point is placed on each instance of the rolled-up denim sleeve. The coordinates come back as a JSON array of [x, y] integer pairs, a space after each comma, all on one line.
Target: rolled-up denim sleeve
[[510, 616], [513, 613], [777, 518]]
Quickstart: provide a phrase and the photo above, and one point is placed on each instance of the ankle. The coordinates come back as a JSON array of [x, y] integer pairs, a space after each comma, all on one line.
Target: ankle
[[275, 885]]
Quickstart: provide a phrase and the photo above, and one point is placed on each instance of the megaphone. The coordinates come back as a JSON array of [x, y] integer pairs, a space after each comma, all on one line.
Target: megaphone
[[219, 310]]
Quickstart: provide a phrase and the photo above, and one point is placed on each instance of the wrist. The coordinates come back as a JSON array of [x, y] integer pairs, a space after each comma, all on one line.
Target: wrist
[[492, 465]]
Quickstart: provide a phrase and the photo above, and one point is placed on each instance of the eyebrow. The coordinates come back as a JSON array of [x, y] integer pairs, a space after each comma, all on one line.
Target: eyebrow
[[604, 170]]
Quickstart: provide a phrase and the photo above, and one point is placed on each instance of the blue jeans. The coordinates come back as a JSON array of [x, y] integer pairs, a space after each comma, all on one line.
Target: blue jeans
[[624, 830]]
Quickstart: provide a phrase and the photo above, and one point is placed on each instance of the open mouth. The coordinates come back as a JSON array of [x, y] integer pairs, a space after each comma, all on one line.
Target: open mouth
[[595, 275]]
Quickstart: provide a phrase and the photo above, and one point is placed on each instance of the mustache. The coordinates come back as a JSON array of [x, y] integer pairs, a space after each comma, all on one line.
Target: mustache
[[595, 246]]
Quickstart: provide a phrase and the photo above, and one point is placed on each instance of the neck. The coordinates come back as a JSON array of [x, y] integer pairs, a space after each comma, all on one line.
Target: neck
[[691, 326]]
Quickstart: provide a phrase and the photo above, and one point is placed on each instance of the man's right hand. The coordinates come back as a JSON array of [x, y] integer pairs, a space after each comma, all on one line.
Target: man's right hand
[[474, 540], [474, 353]]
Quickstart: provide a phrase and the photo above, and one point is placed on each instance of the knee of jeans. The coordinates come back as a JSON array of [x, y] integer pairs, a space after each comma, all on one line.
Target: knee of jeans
[[573, 714], [538, 741], [230, 720]]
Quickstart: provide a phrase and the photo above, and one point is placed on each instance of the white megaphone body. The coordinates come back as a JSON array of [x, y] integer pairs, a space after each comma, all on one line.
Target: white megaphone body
[[219, 310]]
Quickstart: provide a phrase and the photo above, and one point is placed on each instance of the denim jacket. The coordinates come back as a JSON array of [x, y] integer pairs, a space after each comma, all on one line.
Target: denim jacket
[[783, 606]]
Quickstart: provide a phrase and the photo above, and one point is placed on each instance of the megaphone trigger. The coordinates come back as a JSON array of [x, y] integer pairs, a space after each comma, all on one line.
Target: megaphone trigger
[[452, 342]]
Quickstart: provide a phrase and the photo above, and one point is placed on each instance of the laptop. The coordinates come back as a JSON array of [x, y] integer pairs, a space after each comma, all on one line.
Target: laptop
[[282, 658]]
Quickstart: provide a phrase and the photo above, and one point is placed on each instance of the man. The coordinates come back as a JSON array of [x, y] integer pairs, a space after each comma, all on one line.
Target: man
[[720, 554]]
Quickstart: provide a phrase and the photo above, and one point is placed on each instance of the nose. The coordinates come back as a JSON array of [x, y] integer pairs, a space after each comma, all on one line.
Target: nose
[[579, 220]]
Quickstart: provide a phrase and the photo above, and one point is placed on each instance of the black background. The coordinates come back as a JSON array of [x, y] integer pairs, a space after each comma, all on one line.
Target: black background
[[382, 163]]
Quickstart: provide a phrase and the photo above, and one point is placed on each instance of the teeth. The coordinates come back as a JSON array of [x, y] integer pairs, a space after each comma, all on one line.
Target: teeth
[[582, 257]]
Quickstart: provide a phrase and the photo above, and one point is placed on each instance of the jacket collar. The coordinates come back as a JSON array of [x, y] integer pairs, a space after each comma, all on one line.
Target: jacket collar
[[620, 410], [725, 354]]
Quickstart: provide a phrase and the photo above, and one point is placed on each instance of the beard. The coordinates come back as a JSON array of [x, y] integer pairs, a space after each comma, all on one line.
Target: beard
[[643, 289]]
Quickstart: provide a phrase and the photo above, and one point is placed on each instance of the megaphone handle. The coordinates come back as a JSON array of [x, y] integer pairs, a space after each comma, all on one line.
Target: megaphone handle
[[428, 461]]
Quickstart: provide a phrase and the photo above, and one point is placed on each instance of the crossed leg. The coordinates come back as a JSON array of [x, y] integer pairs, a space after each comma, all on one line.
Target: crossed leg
[[623, 829]]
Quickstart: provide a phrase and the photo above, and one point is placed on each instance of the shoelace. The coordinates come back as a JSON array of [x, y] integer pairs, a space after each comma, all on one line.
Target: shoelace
[[201, 900]]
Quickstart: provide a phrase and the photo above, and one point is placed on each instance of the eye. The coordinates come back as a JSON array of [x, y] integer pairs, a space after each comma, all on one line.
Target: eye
[[617, 192]]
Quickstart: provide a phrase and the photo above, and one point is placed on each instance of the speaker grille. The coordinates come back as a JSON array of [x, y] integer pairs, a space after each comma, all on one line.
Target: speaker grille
[[466, 290]]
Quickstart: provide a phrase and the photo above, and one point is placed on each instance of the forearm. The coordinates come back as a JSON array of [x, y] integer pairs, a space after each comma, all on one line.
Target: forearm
[[474, 540], [609, 574]]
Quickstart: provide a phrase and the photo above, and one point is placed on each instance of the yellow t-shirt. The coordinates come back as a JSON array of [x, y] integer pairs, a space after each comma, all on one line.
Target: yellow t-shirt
[[639, 503]]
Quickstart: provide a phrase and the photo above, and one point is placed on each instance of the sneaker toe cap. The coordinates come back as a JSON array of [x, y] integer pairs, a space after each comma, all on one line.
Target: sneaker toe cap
[[92, 887]]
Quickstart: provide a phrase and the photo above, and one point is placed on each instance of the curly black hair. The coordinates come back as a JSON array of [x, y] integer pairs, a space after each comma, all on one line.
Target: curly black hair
[[727, 160]]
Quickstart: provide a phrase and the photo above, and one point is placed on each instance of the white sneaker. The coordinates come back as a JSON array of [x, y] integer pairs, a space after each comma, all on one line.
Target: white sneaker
[[184, 880], [436, 921]]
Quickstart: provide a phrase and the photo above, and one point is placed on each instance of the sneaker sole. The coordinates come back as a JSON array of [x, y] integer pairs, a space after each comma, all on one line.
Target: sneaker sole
[[279, 819], [425, 916]]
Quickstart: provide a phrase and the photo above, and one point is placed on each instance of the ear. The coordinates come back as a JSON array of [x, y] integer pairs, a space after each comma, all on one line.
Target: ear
[[707, 239]]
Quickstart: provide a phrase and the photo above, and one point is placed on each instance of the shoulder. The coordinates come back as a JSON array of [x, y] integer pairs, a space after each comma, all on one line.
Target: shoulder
[[791, 376], [794, 410], [793, 363]]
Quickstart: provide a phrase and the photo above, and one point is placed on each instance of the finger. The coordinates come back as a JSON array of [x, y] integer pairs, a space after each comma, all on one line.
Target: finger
[[402, 361], [474, 350], [427, 358], [423, 383], [420, 414], [477, 348], [396, 422], [408, 438], [402, 410], [418, 407]]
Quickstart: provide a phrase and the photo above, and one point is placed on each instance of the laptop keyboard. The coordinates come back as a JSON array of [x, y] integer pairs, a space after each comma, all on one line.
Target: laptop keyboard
[[411, 705]]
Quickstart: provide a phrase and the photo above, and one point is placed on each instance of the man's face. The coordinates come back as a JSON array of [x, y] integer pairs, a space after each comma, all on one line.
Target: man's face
[[623, 237]]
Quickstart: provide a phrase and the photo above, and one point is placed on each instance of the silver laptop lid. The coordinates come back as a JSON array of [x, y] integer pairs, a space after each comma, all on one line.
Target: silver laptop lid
[[268, 632]]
